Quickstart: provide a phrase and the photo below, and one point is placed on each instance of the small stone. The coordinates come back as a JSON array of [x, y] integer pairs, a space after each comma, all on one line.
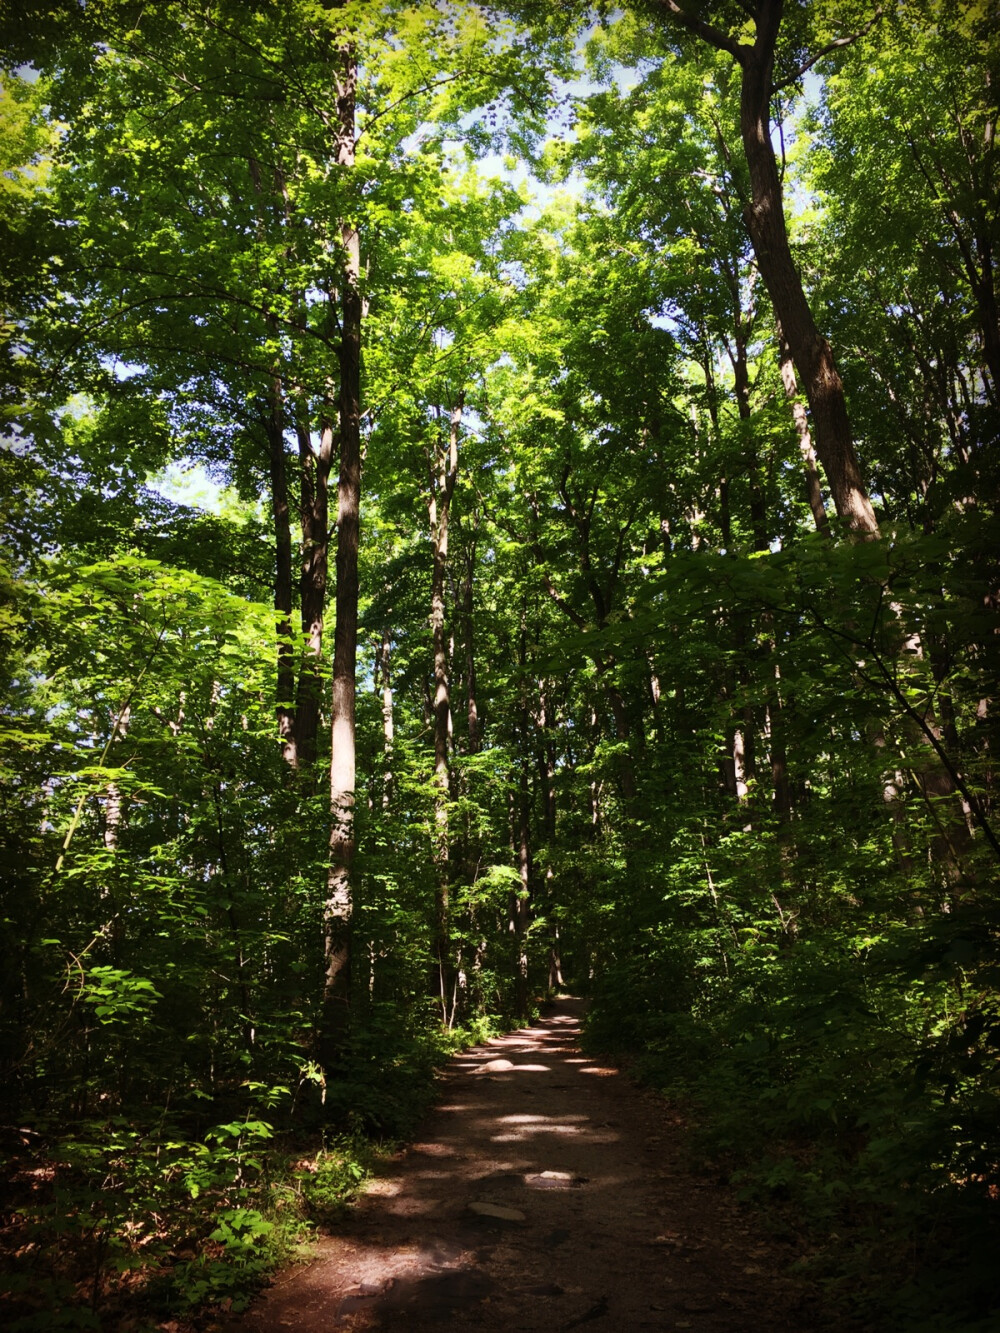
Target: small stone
[[552, 1180], [496, 1212]]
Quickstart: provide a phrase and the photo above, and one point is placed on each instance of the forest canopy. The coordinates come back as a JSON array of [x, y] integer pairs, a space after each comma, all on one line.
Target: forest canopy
[[497, 497]]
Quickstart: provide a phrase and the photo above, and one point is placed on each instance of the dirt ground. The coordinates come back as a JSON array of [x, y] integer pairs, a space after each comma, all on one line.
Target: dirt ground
[[545, 1192]]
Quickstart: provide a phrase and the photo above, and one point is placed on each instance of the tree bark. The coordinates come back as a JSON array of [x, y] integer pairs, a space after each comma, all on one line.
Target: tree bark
[[520, 908], [314, 516], [765, 218], [623, 733], [388, 726], [285, 693], [814, 491], [546, 757], [468, 613], [712, 396], [339, 899], [741, 386], [520, 901], [275, 430], [444, 471]]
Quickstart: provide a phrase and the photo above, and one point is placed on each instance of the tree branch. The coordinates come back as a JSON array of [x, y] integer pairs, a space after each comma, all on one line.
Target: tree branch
[[703, 30], [838, 44], [914, 714], [429, 87]]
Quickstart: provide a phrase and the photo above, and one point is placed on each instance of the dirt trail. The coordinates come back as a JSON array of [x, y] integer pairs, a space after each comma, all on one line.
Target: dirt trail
[[545, 1193]]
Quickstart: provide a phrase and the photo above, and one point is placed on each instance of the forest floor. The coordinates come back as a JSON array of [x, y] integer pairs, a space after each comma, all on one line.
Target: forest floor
[[545, 1192]]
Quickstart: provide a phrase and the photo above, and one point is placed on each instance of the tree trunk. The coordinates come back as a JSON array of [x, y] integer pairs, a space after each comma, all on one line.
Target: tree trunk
[[712, 395], [111, 888], [520, 908], [337, 912], [623, 733], [468, 611], [813, 489], [781, 805], [388, 726], [275, 429], [444, 471], [520, 901], [765, 218], [741, 384], [314, 515], [284, 702], [546, 759], [546, 755]]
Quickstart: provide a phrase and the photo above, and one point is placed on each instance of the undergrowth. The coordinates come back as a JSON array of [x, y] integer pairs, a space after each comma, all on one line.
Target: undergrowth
[[125, 1220], [849, 1087]]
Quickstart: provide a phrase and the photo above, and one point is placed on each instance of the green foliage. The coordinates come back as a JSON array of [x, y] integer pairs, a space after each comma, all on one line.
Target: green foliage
[[329, 1184], [733, 776], [132, 1213], [117, 995]]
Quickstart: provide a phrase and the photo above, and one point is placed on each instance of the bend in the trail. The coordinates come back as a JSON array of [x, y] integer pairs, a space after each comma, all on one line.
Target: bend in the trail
[[545, 1193]]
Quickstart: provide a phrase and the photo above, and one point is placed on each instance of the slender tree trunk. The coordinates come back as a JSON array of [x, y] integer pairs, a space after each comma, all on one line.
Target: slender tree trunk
[[444, 471], [813, 489], [388, 725], [284, 705], [623, 733], [471, 850], [712, 394], [113, 796], [781, 806], [468, 613], [546, 763], [745, 747], [741, 384], [546, 779], [338, 907], [275, 429], [236, 934], [521, 905], [314, 515], [779, 761], [986, 302], [520, 902], [112, 883]]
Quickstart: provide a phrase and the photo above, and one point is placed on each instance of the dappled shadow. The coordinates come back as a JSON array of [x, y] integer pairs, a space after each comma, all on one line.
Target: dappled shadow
[[436, 1296], [527, 1202], [512, 1129]]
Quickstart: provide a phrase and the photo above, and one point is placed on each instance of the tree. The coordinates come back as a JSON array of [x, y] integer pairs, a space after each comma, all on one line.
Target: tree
[[607, 706], [765, 220]]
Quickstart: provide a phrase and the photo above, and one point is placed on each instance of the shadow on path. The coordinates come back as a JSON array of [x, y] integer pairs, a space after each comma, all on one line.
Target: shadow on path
[[544, 1193]]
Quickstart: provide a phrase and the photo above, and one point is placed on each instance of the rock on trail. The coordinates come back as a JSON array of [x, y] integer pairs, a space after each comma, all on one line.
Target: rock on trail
[[545, 1193]]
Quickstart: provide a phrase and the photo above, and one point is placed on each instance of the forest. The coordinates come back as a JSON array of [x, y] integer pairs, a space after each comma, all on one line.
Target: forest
[[498, 499]]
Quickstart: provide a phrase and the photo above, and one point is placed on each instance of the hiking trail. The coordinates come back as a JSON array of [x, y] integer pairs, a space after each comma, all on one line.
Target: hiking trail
[[545, 1192]]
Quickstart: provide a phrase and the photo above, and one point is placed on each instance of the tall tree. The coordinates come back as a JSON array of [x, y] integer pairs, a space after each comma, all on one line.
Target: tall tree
[[765, 219], [337, 911]]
